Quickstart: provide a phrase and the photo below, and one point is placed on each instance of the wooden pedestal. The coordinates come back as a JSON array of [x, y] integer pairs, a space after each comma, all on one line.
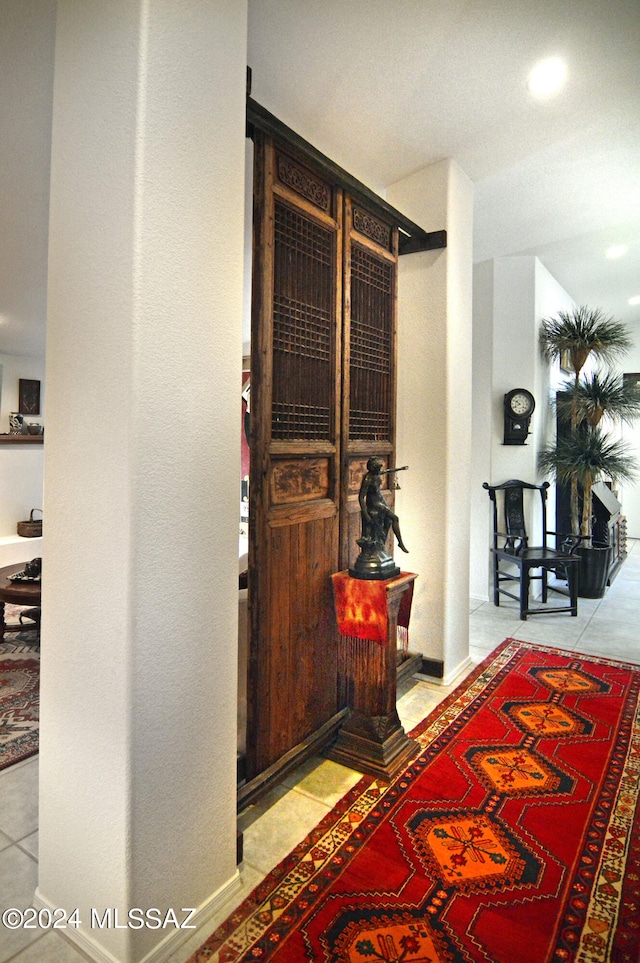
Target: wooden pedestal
[[372, 739]]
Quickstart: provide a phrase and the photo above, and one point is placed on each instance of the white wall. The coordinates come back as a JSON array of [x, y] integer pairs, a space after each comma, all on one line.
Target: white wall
[[511, 296], [21, 466], [434, 409], [145, 324], [483, 428]]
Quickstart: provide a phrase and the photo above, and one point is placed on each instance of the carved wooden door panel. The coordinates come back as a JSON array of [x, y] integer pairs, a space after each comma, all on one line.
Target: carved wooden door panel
[[369, 360], [323, 400], [295, 455]]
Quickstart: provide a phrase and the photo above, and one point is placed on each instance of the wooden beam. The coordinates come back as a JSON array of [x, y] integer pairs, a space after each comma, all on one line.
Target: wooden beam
[[425, 241], [413, 238]]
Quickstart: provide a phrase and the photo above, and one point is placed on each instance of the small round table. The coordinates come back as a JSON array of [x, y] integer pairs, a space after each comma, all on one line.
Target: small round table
[[18, 593]]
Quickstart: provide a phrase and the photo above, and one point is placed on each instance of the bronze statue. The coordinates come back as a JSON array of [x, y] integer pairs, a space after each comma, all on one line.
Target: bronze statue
[[374, 561]]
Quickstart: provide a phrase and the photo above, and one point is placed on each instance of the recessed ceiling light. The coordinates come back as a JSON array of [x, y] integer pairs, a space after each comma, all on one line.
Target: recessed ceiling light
[[616, 250], [635, 300], [547, 77]]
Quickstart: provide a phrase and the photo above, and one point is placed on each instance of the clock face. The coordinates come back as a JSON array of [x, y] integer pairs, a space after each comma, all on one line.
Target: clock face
[[520, 403]]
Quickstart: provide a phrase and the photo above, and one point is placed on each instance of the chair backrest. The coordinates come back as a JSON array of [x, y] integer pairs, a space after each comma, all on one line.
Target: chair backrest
[[514, 531]]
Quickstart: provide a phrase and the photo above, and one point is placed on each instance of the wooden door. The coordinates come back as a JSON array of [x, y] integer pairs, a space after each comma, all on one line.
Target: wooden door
[[323, 401], [295, 453]]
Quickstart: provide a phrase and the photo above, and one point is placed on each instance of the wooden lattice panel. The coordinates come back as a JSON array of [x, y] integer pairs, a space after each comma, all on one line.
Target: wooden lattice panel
[[370, 343], [303, 326], [300, 421], [369, 425]]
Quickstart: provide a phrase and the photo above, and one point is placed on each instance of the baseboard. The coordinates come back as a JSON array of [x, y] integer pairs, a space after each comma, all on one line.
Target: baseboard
[[435, 671], [97, 953], [452, 675], [433, 668]]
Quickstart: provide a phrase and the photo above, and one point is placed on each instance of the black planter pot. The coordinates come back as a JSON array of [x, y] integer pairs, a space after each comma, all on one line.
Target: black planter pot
[[593, 571]]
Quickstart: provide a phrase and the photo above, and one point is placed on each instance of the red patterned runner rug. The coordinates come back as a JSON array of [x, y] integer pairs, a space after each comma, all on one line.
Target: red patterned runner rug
[[19, 706], [512, 838]]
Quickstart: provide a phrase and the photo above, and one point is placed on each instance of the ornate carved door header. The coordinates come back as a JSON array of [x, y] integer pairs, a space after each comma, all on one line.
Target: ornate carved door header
[[412, 238]]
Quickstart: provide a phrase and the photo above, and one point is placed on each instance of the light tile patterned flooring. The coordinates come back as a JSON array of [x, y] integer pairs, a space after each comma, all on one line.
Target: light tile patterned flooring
[[608, 627]]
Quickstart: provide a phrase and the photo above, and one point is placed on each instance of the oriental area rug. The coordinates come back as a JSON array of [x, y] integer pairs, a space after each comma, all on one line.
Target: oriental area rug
[[511, 838], [19, 692]]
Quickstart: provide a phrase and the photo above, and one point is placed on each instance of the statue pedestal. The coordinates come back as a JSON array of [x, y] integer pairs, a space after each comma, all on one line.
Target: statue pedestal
[[372, 739], [373, 563]]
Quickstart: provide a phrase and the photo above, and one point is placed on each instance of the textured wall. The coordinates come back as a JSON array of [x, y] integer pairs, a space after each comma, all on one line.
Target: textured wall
[[143, 456], [434, 409]]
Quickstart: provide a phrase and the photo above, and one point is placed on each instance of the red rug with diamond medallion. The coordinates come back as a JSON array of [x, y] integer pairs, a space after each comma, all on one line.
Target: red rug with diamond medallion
[[512, 837]]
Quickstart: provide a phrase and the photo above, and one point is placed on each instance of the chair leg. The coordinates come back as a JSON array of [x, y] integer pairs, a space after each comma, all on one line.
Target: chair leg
[[545, 576], [524, 592], [572, 582], [496, 580]]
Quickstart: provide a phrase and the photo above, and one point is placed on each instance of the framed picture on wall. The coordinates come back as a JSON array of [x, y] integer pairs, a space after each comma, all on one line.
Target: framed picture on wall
[[28, 396]]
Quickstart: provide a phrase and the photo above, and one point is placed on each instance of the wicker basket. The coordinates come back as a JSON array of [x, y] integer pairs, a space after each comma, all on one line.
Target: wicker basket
[[31, 528]]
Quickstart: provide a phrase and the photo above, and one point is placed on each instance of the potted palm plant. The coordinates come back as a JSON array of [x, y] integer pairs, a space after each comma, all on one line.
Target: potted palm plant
[[584, 453]]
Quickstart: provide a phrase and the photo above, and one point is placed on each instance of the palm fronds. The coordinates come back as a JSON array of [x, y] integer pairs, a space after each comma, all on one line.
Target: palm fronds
[[583, 454], [581, 332], [596, 396], [581, 459], [588, 455]]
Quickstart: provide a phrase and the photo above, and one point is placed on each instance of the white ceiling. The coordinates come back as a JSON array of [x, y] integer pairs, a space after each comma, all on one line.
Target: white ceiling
[[385, 88]]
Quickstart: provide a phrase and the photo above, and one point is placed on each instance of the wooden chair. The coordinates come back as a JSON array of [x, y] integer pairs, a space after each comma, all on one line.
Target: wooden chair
[[514, 559]]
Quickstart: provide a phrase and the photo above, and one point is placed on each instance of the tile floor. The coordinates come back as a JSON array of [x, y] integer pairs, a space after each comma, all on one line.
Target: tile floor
[[606, 627]]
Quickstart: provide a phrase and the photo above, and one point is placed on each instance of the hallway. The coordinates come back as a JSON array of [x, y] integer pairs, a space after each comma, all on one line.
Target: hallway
[[607, 627]]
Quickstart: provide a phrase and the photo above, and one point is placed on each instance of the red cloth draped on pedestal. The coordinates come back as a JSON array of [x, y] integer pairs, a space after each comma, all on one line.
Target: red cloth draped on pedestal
[[362, 610]]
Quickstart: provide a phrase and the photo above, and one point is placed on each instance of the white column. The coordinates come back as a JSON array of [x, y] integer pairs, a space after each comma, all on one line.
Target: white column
[[144, 349], [434, 409]]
